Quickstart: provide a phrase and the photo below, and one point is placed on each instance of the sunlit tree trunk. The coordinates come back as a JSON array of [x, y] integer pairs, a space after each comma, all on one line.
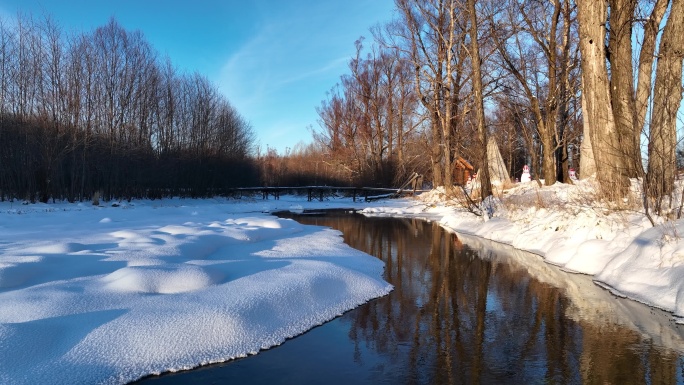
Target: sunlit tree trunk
[[607, 153], [483, 173], [646, 59], [622, 84], [667, 99], [587, 162]]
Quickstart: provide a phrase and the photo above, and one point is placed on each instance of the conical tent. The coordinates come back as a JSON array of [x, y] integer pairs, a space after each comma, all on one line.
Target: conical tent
[[497, 168]]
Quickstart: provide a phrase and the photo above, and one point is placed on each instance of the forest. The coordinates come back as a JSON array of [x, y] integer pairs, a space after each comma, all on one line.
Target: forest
[[423, 105], [101, 114], [593, 86]]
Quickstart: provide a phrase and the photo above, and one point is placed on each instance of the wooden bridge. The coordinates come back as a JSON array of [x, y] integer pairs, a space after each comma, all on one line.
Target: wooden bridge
[[320, 192], [368, 193]]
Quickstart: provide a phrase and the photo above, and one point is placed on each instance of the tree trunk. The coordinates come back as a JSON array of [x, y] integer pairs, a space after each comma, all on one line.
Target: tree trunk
[[666, 102], [598, 110], [548, 155], [587, 163], [622, 84], [449, 91], [483, 173], [646, 58]]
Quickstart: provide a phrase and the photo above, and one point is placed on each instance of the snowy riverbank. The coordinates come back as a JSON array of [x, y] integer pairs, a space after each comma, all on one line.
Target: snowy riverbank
[[562, 223], [111, 294]]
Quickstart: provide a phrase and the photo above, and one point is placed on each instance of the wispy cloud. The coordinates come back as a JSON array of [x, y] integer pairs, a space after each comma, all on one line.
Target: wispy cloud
[[332, 65], [301, 48], [290, 48]]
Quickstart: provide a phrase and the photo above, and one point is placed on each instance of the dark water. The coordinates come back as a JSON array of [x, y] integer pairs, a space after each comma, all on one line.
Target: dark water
[[465, 311]]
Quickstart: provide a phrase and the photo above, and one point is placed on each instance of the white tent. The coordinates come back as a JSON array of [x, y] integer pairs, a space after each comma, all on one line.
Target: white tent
[[497, 168]]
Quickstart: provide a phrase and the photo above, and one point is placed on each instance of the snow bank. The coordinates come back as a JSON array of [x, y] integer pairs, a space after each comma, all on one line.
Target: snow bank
[[650, 269], [109, 295], [587, 300], [567, 226]]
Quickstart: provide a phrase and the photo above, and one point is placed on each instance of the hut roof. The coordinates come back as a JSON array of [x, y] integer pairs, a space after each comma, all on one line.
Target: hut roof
[[462, 163]]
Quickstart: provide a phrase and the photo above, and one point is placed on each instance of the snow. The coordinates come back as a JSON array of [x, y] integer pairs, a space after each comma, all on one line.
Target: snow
[[569, 226], [112, 294]]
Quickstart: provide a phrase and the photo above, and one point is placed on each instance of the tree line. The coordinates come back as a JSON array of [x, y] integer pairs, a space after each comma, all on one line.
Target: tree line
[[101, 112], [559, 84], [590, 85], [445, 75]]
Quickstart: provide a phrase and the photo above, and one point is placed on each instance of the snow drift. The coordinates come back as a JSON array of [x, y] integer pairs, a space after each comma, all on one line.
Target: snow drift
[[110, 295]]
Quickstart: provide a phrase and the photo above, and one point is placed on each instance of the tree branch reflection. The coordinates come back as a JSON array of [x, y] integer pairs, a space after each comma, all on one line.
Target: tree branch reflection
[[462, 313]]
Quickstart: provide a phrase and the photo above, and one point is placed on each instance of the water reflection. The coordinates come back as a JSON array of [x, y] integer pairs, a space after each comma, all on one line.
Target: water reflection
[[466, 311]]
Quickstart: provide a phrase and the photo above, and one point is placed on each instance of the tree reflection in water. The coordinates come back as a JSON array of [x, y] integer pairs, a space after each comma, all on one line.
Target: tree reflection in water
[[456, 315]]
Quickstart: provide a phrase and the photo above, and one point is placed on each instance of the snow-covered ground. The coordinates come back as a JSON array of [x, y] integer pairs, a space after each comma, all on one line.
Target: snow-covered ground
[[111, 294]]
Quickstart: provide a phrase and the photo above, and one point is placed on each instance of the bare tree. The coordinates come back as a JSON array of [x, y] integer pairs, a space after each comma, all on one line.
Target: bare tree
[[434, 38], [667, 99], [610, 164], [615, 111], [478, 94], [535, 44], [368, 119], [95, 111]]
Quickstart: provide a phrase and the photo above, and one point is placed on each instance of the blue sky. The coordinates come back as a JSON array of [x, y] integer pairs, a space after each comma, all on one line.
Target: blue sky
[[273, 59]]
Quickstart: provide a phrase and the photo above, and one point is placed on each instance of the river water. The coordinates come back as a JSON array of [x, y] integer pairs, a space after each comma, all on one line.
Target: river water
[[465, 311]]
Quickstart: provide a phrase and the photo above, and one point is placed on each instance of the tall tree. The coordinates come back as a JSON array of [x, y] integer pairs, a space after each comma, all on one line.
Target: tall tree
[[621, 84], [435, 40], [478, 94], [630, 105], [615, 111], [610, 164], [667, 99]]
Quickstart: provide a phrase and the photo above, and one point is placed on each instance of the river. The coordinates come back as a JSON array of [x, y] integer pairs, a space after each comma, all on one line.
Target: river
[[464, 310]]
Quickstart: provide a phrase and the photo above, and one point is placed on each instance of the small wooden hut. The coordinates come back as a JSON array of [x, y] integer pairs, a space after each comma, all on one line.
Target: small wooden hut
[[463, 171]]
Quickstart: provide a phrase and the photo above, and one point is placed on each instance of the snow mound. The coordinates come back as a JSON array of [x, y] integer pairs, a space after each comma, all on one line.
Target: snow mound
[[15, 274], [259, 222], [161, 279], [296, 209]]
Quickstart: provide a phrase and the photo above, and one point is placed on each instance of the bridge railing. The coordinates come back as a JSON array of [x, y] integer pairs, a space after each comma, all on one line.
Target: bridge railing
[[320, 192]]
